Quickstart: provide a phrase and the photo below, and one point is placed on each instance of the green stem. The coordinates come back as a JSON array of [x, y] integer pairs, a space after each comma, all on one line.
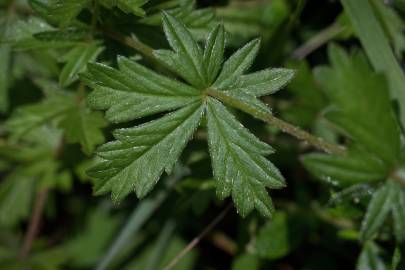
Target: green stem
[[94, 18], [34, 224], [133, 43], [317, 41], [268, 118], [197, 239], [284, 126], [295, 16]]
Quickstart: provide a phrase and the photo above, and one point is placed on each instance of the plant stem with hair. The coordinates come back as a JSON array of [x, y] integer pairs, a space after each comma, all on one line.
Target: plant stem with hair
[[286, 127], [34, 224]]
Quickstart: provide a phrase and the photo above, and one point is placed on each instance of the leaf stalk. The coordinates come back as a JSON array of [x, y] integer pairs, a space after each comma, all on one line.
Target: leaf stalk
[[286, 127]]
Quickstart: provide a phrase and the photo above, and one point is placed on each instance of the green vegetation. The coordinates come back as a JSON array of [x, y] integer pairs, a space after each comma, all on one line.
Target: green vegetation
[[149, 134]]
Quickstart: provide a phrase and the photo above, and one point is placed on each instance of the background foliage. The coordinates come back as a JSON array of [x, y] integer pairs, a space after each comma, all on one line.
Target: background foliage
[[181, 101]]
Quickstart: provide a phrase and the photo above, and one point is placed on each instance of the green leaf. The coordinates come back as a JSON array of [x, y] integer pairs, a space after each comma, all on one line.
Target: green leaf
[[236, 65], [369, 258], [48, 259], [88, 245], [70, 34], [5, 51], [238, 162], [127, 6], [273, 238], [377, 211], [142, 212], [42, 9], [65, 12], [356, 167], [244, 21], [264, 82], [135, 91], [392, 24], [15, 198], [307, 99], [76, 60], [214, 52], [353, 89], [23, 29], [398, 212], [187, 58], [198, 20], [84, 127], [21, 33], [133, 6], [28, 117], [138, 157], [396, 258], [246, 261], [377, 48], [248, 99]]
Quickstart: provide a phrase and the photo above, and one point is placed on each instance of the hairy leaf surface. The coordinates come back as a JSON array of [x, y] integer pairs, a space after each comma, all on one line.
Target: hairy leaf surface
[[137, 159], [135, 91], [240, 168], [187, 58]]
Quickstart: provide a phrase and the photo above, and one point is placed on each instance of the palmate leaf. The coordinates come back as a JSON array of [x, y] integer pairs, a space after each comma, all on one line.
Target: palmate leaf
[[135, 91], [214, 52], [357, 167], [139, 155], [29, 117], [238, 163], [246, 88], [187, 58], [83, 126], [62, 109], [76, 60], [237, 64], [353, 88]]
